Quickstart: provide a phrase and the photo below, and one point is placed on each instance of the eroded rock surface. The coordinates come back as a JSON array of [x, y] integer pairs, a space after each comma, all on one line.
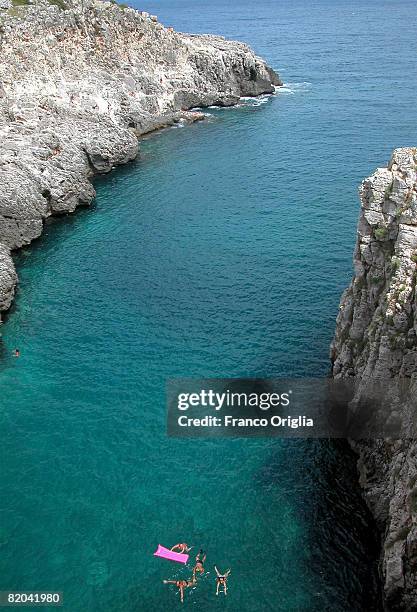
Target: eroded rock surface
[[80, 81], [8, 278], [376, 339]]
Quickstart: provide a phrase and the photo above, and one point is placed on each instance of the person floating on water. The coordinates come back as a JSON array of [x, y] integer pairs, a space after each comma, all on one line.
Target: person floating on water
[[181, 585], [16, 353], [199, 561], [181, 548], [221, 580]]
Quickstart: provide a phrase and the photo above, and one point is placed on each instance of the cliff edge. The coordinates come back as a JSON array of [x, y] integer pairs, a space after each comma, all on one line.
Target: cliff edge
[[376, 340], [80, 81]]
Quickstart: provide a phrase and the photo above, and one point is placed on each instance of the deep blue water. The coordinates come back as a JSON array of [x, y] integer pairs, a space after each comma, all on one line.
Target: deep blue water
[[221, 252]]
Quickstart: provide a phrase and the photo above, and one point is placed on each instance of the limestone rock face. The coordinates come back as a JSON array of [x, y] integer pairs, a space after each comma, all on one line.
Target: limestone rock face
[[8, 278], [376, 339], [80, 81]]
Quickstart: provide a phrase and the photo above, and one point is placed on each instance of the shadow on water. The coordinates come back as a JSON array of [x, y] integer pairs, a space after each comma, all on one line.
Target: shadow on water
[[342, 540]]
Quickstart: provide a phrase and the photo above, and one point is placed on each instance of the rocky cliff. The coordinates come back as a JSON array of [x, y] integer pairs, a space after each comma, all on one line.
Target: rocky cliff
[[376, 339], [80, 81]]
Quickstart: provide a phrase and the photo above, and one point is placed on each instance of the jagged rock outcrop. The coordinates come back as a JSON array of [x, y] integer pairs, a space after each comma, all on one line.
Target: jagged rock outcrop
[[376, 340], [80, 81], [8, 278]]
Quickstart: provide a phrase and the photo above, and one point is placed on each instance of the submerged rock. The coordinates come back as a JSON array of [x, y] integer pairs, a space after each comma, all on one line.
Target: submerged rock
[[80, 81], [376, 340]]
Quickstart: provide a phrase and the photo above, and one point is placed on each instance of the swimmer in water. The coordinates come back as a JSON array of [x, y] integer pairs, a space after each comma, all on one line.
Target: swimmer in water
[[16, 353], [221, 580], [181, 548], [199, 563], [181, 585]]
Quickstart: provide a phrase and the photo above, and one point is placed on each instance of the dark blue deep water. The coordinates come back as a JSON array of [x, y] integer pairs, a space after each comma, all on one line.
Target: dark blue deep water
[[223, 251]]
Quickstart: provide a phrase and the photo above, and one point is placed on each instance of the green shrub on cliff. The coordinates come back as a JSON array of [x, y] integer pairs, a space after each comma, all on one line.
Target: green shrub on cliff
[[388, 190], [381, 233], [59, 3], [395, 263], [120, 5], [376, 280]]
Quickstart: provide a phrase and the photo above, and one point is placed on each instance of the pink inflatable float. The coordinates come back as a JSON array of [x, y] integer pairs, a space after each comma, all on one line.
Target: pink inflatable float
[[165, 553]]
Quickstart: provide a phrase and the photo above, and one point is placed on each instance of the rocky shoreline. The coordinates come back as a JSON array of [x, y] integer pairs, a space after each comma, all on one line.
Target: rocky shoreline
[[80, 82], [376, 339]]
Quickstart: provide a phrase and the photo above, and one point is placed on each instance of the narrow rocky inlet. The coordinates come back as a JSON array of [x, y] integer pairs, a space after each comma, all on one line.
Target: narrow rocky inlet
[[81, 81]]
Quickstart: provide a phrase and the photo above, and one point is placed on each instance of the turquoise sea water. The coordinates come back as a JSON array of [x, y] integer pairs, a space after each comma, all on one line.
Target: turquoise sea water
[[221, 252]]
